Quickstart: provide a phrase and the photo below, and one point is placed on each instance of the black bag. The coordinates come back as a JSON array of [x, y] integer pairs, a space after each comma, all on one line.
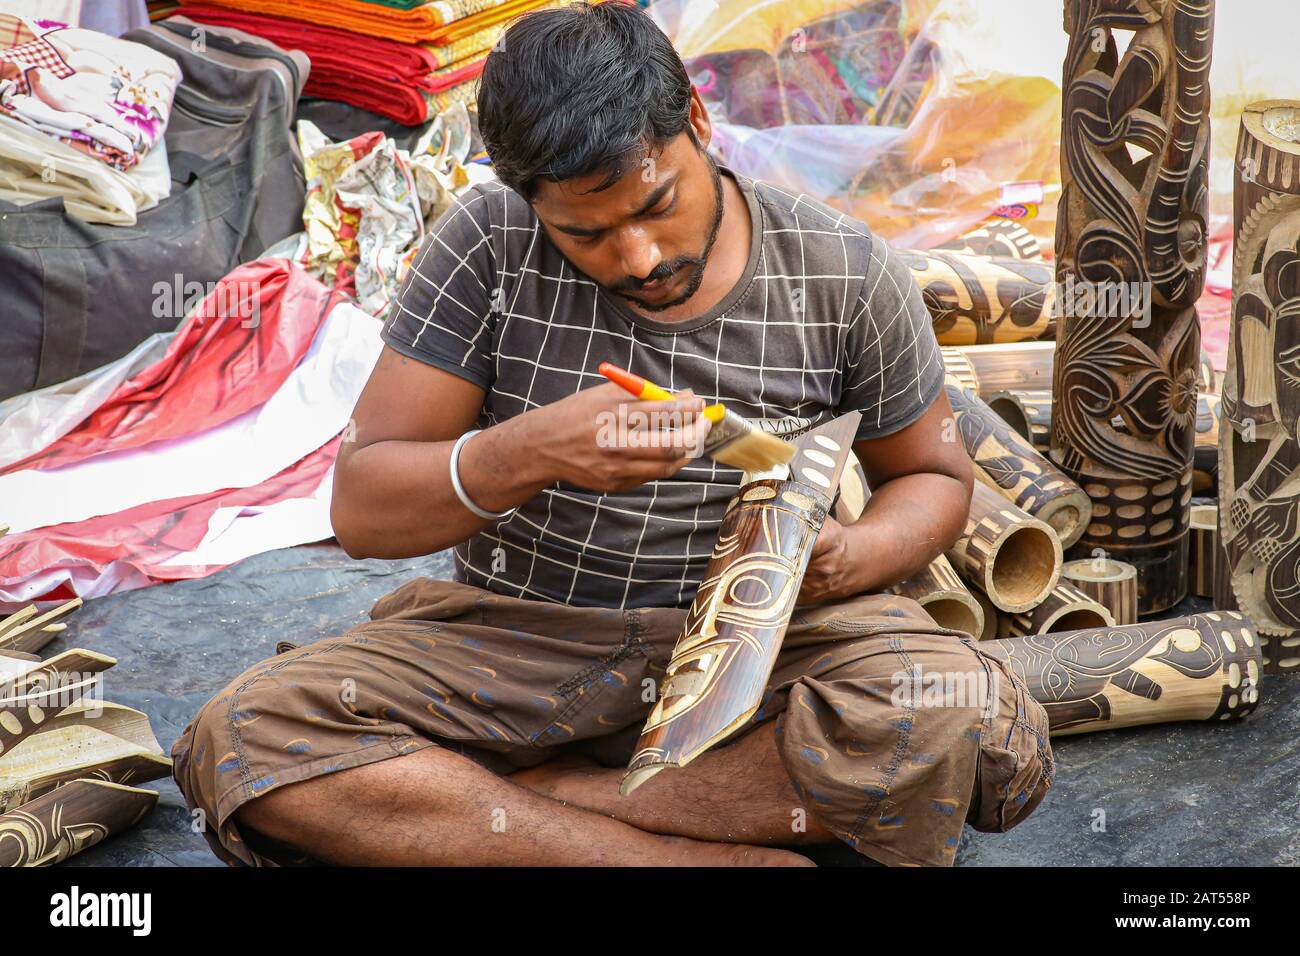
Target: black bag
[[75, 295]]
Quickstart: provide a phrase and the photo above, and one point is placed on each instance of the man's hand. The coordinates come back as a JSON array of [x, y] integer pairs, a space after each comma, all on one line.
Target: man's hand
[[602, 440], [832, 569]]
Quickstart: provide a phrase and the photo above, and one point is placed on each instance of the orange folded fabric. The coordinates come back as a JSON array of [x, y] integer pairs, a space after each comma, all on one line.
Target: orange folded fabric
[[439, 21]]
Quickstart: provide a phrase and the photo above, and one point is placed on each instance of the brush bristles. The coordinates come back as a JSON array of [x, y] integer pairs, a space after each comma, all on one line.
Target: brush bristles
[[755, 451]]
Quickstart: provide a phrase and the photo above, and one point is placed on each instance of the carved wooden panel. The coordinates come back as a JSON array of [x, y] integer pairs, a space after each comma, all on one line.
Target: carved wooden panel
[[72, 818], [1131, 230], [1259, 454], [1203, 667]]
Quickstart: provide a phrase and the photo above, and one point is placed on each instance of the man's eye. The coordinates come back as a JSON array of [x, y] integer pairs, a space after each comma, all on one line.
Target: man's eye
[[658, 213]]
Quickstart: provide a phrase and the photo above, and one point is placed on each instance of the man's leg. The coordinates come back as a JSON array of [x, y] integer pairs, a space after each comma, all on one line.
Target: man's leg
[[435, 807], [736, 794]]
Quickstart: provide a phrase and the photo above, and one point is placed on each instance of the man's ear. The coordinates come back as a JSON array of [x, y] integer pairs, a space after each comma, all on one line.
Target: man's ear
[[699, 119]]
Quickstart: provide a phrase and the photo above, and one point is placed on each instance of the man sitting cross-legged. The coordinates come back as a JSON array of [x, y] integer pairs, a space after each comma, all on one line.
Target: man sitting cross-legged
[[485, 721]]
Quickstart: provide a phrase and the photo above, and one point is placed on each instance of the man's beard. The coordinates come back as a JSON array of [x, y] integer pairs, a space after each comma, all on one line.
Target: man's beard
[[664, 270]]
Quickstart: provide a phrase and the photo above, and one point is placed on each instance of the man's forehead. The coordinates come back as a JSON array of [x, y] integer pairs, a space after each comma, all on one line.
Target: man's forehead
[[593, 200]]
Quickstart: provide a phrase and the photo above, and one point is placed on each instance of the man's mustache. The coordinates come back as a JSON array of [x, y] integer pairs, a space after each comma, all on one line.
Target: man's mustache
[[664, 270]]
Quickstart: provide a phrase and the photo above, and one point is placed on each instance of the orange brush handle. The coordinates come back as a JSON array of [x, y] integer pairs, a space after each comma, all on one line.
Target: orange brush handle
[[634, 384]]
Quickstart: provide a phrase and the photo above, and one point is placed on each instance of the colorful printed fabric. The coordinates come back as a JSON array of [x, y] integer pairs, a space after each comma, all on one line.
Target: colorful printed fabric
[[437, 21], [106, 97]]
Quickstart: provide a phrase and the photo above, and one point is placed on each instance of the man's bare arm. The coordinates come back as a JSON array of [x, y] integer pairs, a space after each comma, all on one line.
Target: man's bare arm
[[393, 495], [920, 479]]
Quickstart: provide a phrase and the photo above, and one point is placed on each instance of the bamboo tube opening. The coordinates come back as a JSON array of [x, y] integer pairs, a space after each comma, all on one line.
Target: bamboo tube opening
[[954, 614], [1011, 413], [1283, 122], [1024, 568], [1065, 518], [1097, 569], [1078, 619]]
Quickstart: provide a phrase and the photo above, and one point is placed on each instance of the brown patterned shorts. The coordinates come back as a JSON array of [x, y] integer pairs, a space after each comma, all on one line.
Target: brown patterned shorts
[[873, 720]]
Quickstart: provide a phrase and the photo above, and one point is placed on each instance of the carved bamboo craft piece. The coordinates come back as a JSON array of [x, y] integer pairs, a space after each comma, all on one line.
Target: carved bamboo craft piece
[[1112, 584], [1131, 228], [1203, 667], [1259, 452], [989, 369], [715, 679], [28, 631], [102, 740], [999, 238], [1012, 557], [937, 588], [31, 691], [1203, 549], [990, 629], [1011, 466], [977, 300], [69, 819], [1066, 608], [1029, 413]]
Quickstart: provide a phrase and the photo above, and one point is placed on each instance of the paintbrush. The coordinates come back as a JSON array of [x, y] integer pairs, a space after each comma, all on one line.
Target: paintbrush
[[733, 440]]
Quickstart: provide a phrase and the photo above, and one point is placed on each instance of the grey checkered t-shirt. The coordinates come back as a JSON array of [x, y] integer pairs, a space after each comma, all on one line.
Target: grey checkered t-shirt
[[826, 319]]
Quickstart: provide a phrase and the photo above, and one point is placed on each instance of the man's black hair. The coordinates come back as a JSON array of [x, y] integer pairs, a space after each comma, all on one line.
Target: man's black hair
[[577, 90]]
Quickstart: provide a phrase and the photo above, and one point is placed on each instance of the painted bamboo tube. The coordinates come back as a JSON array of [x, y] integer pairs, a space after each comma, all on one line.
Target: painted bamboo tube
[[1131, 229], [69, 819], [1029, 413], [1259, 450], [721, 663], [937, 588], [989, 369], [1203, 549], [1066, 608], [1112, 584], [1012, 557], [980, 300], [997, 237], [1010, 465], [1203, 667]]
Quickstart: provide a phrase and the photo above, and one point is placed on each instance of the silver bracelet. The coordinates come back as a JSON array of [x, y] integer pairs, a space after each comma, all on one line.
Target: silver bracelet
[[460, 489]]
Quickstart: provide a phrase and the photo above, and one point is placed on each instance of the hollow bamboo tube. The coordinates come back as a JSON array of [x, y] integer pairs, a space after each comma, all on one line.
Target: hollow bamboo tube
[[1029, 413], [1112, 584], [980, 299], [989, 369], [1066, 608], [1012, 557], [1203, 549], [1011, 466]]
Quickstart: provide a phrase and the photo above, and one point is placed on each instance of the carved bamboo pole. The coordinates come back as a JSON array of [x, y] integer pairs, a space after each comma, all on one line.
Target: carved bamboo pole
[[1066, 608], [1203, 549], [977, 300], [1029, 413], [1112, 584], [1131, 231], [1259, 455], [1010, 465], [937, 588], [989, 369], [720, 666], [1203, 667], [1013, 558], [998, 237], [28, 632]]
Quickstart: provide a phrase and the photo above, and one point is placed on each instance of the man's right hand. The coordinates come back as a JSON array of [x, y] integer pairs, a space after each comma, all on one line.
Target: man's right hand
[[605, 441]]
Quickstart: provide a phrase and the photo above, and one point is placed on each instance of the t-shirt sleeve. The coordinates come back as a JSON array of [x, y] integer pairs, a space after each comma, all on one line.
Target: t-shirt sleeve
[[893, 369], [444, 312]]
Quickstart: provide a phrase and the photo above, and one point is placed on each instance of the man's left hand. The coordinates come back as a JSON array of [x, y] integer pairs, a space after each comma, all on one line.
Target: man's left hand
[[832, 571]]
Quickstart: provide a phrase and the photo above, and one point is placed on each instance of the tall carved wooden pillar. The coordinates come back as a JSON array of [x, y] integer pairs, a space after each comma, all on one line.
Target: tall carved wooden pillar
[[1259, 450], [1130, 245]]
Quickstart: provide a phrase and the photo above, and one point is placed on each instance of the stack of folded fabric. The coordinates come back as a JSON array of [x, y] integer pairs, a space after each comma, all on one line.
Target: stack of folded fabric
[[405, 59], [82, 116]]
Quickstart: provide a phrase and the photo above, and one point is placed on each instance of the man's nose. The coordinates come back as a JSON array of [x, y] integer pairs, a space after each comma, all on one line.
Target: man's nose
[[638, 252]]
